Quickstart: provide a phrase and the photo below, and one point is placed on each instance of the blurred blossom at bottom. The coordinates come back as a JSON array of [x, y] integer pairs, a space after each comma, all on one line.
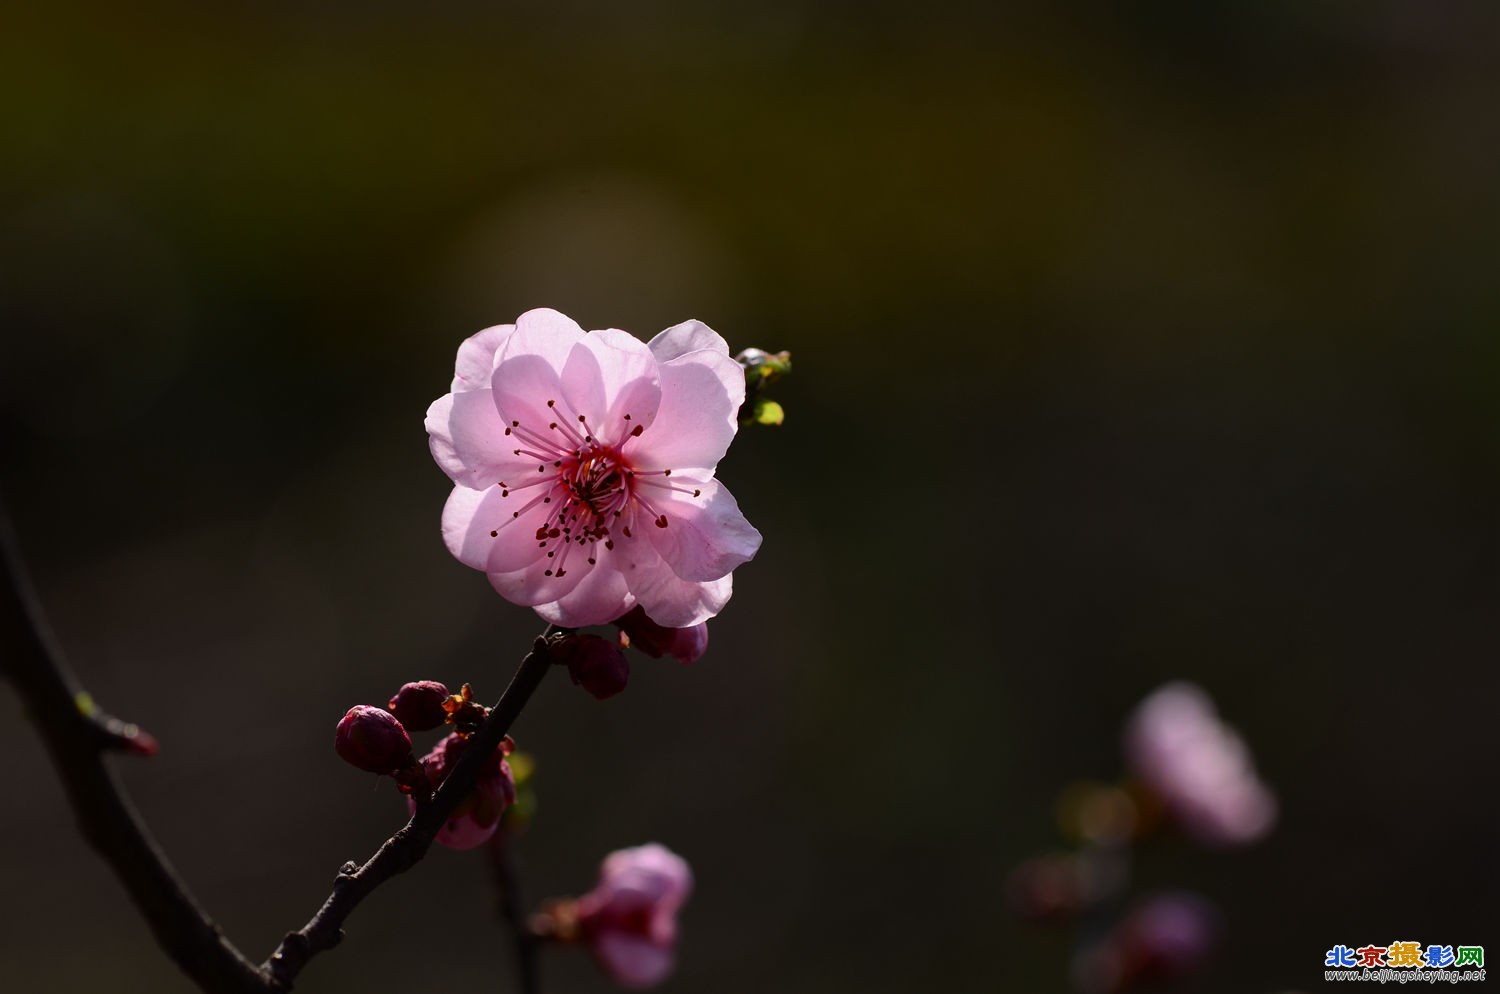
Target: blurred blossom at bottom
[[1165, 937], [629, 919]]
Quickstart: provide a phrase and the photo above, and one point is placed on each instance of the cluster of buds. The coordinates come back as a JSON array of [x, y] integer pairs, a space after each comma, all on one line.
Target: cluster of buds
[[1189, 770], [378, 740], [762, 368]]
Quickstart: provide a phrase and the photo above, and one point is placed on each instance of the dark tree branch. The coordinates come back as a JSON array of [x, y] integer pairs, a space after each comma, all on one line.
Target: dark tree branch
[[77, 735]]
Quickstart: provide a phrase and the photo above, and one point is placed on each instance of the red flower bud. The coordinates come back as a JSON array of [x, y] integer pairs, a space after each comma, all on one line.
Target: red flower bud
[[595, 663], [477, 815], [372, 739], [419, 705]]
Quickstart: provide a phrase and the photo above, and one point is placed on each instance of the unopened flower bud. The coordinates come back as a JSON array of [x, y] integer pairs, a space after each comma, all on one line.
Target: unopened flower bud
[[686, 645], [763, 368], [419, 705], [372, 739], [477, 815], [596, 664]]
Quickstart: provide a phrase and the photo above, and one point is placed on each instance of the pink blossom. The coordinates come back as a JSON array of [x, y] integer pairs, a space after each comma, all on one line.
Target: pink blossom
[[629, 919], [686, 645], [1198, 766], [584, 468]]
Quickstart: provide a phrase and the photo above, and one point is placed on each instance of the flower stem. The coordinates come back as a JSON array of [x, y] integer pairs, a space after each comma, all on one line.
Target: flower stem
[[512, 909]]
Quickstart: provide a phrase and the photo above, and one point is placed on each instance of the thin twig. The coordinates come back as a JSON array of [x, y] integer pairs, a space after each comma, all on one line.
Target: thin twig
[[508, 896], [77, 736]]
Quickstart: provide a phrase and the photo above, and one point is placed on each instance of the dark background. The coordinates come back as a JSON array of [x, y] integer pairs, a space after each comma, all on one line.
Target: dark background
[[1129, 346]]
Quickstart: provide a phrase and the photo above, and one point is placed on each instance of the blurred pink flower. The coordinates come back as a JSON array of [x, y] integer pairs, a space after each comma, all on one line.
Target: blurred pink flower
[[629, 919], [1199, 767], [686, 645], [477, 815], [584, 464], [1165, 937]]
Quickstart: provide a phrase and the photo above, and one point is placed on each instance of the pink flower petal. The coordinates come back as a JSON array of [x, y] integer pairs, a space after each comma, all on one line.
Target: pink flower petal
[[638, 397], [629, 919], [468, 441], [546, 333], [677, 603], [523, 384], [631, 961], [599, 597], [667, 599], [532, 587], [529, 366], [476, 358], [701, 394], [690, 336], [652, 870], [461, 831], [481, 529], [705, 537], [607, 376]]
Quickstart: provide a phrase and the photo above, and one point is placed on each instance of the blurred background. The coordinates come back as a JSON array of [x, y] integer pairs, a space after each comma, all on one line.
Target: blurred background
[[1130, 345]]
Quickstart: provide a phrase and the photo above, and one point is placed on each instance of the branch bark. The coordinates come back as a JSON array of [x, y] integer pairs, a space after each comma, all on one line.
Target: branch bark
[[78, 735]]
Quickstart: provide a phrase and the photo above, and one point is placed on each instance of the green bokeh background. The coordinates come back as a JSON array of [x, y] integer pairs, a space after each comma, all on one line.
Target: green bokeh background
[[1130, 345]]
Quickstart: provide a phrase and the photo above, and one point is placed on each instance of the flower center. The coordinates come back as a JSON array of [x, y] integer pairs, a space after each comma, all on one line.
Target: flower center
[[590, 484], [596, 478]]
